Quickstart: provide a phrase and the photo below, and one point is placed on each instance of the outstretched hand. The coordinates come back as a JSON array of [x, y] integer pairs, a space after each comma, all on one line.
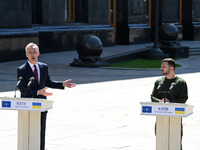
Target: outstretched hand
[[43, 92], [68, 84]]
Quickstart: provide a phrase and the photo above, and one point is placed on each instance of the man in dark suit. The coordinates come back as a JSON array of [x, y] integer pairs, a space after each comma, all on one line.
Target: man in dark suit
[[37, 72]]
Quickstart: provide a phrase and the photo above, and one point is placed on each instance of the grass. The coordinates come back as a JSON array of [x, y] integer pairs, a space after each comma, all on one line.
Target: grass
[[139, 63]]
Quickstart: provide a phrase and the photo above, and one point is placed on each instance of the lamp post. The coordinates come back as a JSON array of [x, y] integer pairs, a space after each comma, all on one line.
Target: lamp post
[[156, 47], [155, 52]]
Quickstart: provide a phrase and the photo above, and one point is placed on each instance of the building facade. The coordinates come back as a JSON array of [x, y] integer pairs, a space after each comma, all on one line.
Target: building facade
[[58, 25]]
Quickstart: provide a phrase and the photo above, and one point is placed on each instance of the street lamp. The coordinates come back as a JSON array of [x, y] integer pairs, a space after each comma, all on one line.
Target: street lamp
[[155, 52], [156, 47]]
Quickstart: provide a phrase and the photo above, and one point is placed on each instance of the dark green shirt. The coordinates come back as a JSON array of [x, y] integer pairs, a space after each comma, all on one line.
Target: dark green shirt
[[179, 93]]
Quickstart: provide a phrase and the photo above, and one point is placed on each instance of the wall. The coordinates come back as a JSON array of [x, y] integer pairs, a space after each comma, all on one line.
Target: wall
[[98, 11], [53, 12], [15, 13]]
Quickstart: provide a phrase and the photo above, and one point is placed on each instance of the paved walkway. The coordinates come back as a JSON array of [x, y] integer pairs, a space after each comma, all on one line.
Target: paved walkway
[[103, 111]]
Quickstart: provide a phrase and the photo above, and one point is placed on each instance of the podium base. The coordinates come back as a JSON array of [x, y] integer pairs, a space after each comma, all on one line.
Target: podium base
[[29, 130], [168, 133]]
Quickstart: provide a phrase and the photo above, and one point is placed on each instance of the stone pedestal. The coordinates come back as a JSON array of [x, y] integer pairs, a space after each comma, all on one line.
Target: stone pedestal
[[89, 49], [176, 51]]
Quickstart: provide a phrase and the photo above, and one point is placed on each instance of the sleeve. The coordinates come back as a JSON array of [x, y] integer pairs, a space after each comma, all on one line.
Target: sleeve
[[52, 84], [155, 93], [183, 96]]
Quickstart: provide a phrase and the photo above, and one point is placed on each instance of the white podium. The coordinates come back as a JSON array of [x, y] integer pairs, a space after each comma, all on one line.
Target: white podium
[[168, 122], [29, 119]]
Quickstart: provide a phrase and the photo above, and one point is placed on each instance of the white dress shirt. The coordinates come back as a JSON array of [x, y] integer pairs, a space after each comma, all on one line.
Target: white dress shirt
[[38, 69]]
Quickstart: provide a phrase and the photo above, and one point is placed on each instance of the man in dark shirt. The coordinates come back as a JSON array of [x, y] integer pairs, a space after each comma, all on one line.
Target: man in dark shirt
[[170, 88]]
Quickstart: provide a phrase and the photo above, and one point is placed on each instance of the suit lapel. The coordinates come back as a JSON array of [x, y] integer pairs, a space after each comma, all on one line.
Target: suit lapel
[[29, 71]]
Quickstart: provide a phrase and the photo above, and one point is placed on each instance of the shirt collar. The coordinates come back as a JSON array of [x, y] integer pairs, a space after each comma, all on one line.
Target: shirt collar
[[171, 78], [31, 65]]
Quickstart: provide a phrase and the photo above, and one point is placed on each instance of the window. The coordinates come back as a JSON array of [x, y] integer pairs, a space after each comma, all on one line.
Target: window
[[70, 10], [112, 12], [137, 12]]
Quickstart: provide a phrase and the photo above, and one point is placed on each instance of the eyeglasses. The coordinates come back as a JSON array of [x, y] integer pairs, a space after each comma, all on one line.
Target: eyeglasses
[[30, 53]]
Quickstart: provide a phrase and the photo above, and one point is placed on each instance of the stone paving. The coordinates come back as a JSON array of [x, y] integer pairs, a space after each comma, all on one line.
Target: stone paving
[[103, 111]]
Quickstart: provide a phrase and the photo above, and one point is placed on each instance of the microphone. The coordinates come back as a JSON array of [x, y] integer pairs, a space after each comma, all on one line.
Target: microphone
[[19, 81], [17, 85], [172, 86], [159, 85], [31, 80]]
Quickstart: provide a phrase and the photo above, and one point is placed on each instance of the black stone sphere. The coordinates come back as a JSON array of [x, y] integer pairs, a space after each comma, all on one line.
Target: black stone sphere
[[168, 32], [90, 46]]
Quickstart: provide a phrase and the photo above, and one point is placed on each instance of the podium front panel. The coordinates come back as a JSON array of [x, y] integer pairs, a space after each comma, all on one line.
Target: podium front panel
[[29, 119], [27, 104], [166, 109]]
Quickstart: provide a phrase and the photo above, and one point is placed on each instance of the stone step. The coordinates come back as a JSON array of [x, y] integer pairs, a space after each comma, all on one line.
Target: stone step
[[194, 51]]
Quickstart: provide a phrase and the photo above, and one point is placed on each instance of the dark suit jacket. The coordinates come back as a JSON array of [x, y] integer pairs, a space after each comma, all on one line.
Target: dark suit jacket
[[26, 73]]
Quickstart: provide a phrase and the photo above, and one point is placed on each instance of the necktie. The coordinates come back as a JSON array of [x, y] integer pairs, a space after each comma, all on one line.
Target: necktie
[[36, 73]]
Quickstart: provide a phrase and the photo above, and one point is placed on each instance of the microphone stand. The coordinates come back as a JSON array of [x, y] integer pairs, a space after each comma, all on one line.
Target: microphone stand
[[170, 92], [24, 92], [17, 85], [24, 95], [165, 92], [31, 80], [29, 88], [15, 92]]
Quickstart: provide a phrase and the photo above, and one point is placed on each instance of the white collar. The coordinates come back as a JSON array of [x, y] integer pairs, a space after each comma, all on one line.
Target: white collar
[[31, 65]]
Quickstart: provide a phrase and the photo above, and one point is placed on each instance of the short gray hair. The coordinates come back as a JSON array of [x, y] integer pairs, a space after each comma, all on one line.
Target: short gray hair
[[31, 44]]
